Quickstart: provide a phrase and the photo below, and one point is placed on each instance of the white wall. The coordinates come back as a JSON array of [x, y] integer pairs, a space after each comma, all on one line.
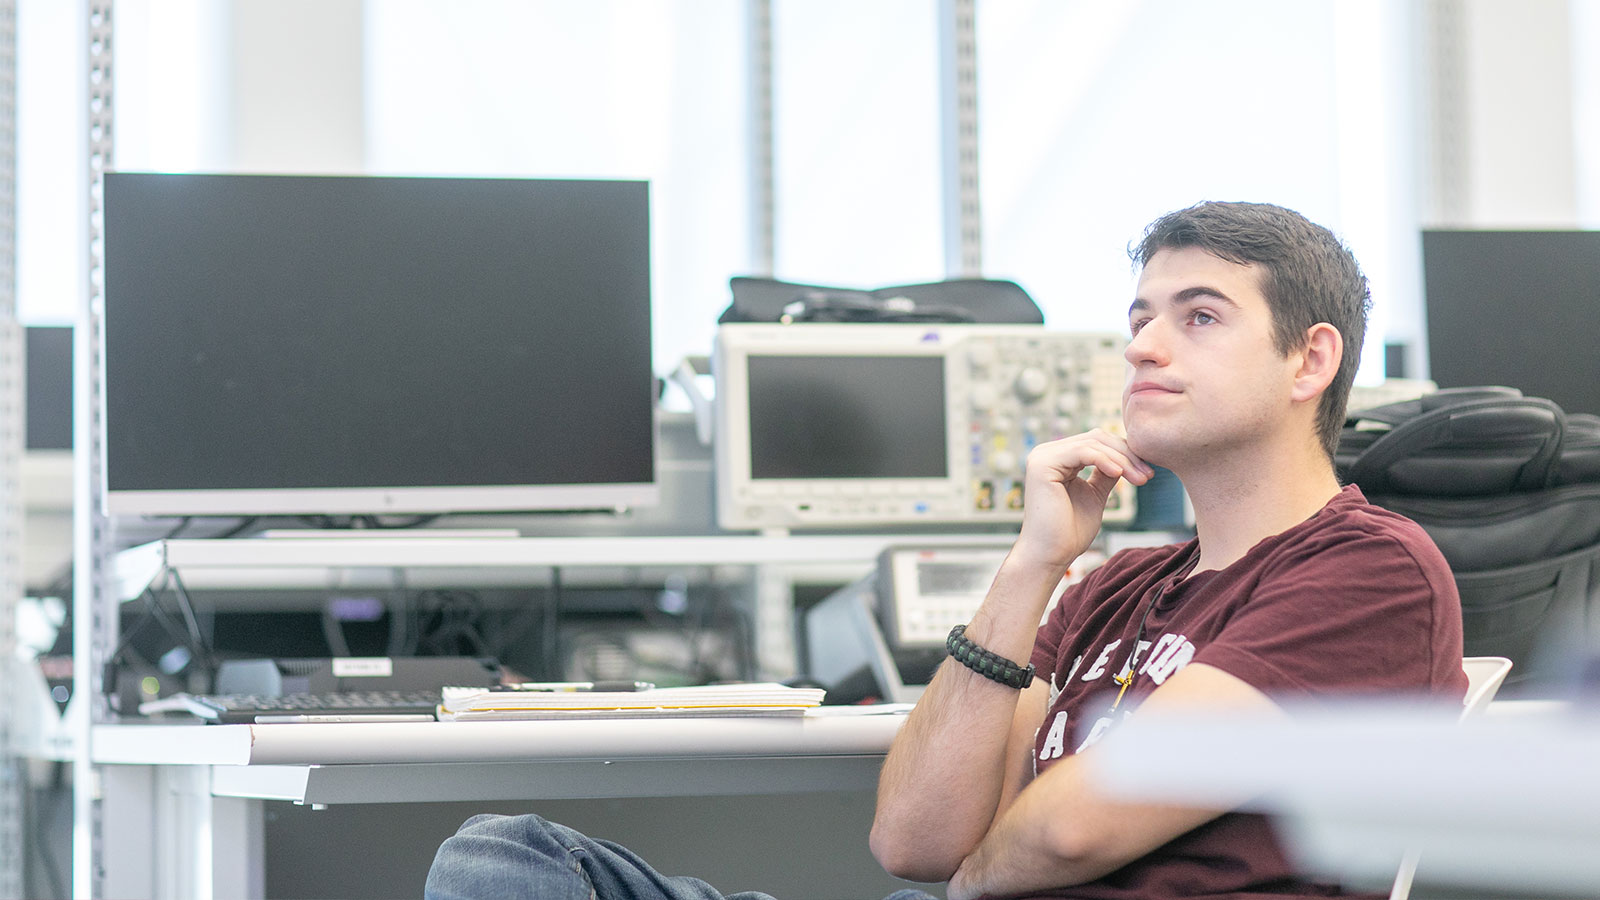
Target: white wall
[[1508, 148], [296, 93]]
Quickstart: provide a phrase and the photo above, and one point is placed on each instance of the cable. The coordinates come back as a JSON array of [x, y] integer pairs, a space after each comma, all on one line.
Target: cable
[[399, 622], [448, 624], [551, 637], [525, 619], [333, 633], [187, 608], [238, 529], [152, 612], [335, 523]]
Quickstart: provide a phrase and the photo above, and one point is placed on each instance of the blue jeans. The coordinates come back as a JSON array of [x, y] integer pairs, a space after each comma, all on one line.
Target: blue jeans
[[526, 856]]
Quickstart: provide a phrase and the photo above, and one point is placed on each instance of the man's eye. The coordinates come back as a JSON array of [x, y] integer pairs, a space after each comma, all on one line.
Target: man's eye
[[1202, 318], [1133, 327]]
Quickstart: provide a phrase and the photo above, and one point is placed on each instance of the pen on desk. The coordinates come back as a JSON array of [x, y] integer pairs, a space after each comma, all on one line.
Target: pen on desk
[[566, 686], [326, 718]]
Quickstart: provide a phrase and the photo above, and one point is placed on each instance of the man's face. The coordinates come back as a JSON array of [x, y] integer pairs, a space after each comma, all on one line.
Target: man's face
[[1204, 376]]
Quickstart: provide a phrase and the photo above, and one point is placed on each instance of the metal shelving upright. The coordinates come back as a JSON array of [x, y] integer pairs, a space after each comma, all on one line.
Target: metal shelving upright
[[12, 394], [958, 133], [94, 609]]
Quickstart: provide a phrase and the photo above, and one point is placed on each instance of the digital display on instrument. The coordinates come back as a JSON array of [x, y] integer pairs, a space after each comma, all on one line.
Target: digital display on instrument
[[847, 417]]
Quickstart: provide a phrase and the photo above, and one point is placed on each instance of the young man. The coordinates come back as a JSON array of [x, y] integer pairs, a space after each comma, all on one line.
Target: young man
[[1246, 328]]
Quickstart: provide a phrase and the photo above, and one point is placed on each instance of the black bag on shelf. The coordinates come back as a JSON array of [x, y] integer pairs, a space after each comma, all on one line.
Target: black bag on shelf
[[960, 300], [1508, 487]]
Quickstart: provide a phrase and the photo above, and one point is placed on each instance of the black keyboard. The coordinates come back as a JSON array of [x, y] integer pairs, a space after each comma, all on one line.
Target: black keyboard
[[228, 709]]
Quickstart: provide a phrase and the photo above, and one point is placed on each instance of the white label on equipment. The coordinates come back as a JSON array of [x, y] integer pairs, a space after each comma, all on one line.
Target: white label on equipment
[[362, 667]]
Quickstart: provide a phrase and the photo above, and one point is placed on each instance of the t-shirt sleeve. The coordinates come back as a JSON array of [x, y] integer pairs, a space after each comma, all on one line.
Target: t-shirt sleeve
[[1345, 613], [1047, 645]]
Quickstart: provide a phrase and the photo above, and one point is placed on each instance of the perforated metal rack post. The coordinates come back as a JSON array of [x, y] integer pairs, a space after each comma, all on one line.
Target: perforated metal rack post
[[958, 89], [11, 442], [94, 607], [758, 43]]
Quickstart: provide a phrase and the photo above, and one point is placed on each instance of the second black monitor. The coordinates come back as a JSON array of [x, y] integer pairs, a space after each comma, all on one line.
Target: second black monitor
[[1515, 308]]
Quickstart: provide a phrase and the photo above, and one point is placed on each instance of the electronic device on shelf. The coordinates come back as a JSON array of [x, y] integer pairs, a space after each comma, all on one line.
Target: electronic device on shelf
[[329, 689], [884, 635], [923, 591], [866, 424], [344, 706], [281, 344]]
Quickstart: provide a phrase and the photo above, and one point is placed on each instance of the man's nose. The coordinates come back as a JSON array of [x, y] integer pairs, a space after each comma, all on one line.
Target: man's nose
[[1148, 345]]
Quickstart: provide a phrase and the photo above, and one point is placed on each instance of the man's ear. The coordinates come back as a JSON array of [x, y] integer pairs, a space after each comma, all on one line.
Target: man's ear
[[1319, 361]]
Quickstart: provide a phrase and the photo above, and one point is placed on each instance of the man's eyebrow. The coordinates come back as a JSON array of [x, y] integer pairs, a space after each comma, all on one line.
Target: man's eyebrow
[[1203, 292], [1194, 294]]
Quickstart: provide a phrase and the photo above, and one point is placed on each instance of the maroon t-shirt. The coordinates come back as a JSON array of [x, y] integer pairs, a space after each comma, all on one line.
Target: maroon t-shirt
[[1354, 600]]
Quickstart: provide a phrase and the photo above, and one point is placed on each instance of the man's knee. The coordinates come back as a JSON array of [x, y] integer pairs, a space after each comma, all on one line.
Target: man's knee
[[507, 856]]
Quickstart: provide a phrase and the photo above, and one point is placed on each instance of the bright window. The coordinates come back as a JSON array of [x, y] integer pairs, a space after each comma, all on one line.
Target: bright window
[[603, 89], [1098, 117]]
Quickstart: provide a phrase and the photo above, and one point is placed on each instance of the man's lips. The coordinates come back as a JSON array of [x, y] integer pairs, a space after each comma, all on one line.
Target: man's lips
[[1150, 387]]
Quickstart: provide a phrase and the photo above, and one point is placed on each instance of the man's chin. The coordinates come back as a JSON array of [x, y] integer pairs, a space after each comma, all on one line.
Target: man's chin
[[1152, 447]]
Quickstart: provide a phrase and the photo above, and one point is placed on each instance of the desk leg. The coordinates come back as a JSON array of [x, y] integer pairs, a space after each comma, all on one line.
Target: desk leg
[[166, 836], [774, 623], [128, 840]]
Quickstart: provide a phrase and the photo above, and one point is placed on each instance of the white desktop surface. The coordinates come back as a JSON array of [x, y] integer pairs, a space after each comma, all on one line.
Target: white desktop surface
[[417, 742], [436, 761]]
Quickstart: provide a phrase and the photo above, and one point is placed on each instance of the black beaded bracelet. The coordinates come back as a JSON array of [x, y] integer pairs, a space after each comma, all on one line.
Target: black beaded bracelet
[[985, 663]]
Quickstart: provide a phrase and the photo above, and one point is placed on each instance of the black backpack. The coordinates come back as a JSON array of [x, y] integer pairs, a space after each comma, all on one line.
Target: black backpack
[[1508, 487], [959, 300]]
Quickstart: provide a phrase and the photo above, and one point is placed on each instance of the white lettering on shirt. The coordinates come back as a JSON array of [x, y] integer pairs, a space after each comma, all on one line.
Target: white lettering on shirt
[[1139, 651], [1099, 730], [1099, 667], [1161, 645], [1176, 657], [1055, 741]]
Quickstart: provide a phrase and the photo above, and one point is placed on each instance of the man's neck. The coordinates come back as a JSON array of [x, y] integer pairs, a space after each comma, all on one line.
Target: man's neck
[[1238, 505]]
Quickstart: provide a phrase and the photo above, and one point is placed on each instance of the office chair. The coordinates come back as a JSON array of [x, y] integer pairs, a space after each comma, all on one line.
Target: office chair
[[1485, 674]]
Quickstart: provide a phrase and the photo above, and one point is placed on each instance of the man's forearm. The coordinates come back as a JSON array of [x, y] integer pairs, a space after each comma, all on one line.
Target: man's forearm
[[1064, 830], [1027, 848], [943, 779]]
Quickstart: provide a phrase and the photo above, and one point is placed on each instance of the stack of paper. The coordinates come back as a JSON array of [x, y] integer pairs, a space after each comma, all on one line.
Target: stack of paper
[[760, 699]]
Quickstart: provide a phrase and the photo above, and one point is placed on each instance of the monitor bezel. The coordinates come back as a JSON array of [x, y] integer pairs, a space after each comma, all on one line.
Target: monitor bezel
[[383, 501]]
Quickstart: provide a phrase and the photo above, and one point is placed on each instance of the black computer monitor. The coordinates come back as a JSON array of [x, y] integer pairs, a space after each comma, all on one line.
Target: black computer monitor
[[1515, 308], [368, 345], [49, 387]]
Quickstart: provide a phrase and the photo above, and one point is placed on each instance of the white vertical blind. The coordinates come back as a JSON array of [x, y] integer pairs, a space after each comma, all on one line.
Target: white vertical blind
[[604, 89]]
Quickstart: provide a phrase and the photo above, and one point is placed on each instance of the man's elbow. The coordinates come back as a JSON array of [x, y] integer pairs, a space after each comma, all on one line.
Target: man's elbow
[[904, 856], [1082, 852]]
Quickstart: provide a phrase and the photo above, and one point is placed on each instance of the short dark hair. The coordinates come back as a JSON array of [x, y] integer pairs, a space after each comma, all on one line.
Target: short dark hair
[[1308, 276]]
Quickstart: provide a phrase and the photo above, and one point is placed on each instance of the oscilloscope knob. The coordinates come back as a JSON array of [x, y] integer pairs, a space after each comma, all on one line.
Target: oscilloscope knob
[[984, 397], [1032, 383]]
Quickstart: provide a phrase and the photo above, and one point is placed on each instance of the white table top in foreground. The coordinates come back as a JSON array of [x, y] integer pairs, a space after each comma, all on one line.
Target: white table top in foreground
[[1501, 802]]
